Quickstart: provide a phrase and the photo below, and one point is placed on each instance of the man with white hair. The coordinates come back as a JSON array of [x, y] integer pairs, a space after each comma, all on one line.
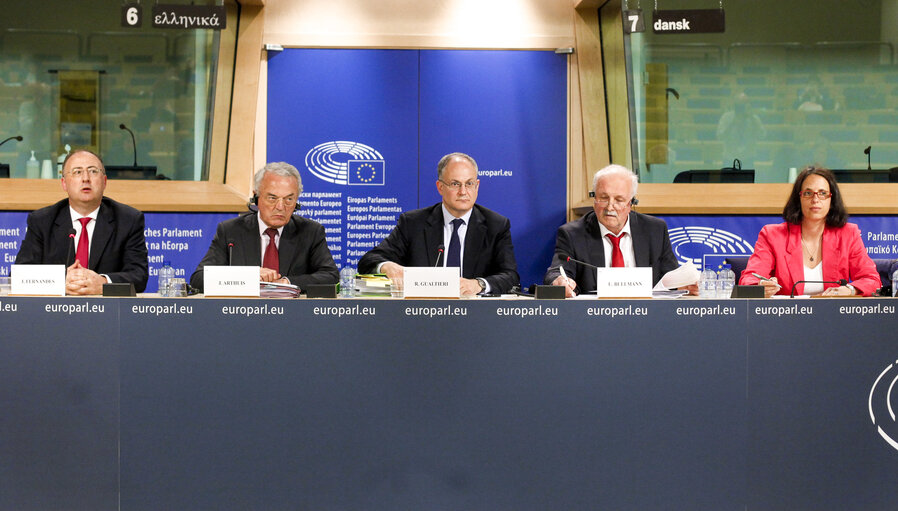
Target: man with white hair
[[610, 236], [288, 249]]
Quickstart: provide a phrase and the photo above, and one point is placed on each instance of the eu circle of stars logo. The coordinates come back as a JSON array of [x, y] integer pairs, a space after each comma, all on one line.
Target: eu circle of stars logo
[[366, 172]]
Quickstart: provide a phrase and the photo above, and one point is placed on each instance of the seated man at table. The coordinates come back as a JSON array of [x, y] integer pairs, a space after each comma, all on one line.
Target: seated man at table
[[98, 239], [473, 238], [288, 248], [611, 235]]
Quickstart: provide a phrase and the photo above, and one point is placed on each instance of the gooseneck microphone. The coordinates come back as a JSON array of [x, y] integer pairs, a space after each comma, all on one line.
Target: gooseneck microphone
[[70, 256], [571, 259], [230, 253], [840, 282], [440, 250], [133, 141], [867, 152], [17, 137]]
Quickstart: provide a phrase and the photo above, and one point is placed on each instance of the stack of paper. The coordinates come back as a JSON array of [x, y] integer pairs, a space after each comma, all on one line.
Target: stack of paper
[[373, 285], [274, 290]]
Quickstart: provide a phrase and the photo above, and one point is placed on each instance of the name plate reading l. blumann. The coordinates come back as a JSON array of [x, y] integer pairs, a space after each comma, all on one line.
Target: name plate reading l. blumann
[[231, 281], [427, 282], [37, 279], [624, 283]]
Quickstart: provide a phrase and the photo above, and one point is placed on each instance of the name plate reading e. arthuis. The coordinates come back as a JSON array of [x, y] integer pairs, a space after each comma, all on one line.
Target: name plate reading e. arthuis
[[37, 279], [427, 282], [231, 281], [624, 283]]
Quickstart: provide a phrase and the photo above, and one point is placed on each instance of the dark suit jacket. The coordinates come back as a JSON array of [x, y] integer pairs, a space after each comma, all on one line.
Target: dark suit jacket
[[302, 251], [118, 248], [418, 234], [582, 240]]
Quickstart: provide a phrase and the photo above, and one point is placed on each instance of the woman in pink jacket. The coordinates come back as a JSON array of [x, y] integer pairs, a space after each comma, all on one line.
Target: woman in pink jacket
[[815, 243]]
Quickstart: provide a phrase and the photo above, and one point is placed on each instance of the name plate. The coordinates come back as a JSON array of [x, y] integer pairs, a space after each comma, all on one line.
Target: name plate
[[37, 279], [427, 282], [231, 281], [624, 283]]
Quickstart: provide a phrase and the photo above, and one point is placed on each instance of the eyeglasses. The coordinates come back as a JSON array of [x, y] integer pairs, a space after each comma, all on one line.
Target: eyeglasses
[[77, 172], [821, 194], [617, 202], [456, 186], [271, 200]]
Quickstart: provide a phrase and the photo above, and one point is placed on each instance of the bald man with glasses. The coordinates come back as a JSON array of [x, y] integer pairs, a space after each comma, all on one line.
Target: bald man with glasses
[[98, 239], [472, 237], [288, 249]]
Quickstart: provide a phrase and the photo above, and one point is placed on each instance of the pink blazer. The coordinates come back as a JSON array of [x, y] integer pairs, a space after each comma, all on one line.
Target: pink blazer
[[778, 253]]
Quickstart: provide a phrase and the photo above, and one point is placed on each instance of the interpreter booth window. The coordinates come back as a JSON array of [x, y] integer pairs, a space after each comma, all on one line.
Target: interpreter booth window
[[75, 75], [788, 83]]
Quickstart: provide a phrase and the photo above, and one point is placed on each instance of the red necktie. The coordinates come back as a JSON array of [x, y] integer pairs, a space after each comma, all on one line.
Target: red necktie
[[82, 254], [271, 260], [617, 257]]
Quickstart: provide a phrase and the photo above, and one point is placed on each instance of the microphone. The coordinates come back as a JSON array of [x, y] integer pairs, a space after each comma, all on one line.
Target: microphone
[[867, 152], [70, 256], [17, 137], [439, 254], [133, 141], [230, 253], [840, 282], [571, 259]]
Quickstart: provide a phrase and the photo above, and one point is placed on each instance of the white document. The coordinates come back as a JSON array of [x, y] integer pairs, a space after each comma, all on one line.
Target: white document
[[231, 281], [624, 282], [37, 279], [685, 275], [427, 282]]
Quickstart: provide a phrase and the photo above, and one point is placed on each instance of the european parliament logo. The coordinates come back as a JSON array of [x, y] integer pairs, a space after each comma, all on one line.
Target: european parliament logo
[[707, 245], [881, 403], [344, 162]]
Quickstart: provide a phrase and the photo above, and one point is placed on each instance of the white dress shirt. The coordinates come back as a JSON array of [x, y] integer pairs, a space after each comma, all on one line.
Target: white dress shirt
[[76, 224], [265, 239], [626, 245]]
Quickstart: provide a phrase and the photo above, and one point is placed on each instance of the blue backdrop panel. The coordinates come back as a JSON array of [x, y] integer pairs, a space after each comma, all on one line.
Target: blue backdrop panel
[[347, 119], [507, 109], [12, 232], [367, 127], [709, 239], [180, 238]]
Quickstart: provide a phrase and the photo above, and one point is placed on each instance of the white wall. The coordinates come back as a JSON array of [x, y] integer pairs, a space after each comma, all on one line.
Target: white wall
[[527, 24]]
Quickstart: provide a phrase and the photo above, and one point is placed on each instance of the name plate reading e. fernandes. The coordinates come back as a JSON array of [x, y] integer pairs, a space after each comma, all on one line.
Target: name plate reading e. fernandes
[[624, 283], [37, 279], [427, 282], [231, 281]]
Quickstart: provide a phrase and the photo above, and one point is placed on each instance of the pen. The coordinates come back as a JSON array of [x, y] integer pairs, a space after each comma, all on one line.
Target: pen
[[764, 278]]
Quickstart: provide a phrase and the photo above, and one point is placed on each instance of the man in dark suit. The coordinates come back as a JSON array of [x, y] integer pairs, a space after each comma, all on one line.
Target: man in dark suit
[[610, 235], [104, 238], [473, 237], [287, 248]]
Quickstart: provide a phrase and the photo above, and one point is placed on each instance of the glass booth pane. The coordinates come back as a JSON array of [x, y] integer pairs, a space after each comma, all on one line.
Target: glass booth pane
[[790, 83], [157, 82]]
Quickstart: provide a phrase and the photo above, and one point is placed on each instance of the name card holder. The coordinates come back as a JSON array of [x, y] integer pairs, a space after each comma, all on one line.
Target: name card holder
[[231, 281], [624, 283], [427, 282], [37, 279]]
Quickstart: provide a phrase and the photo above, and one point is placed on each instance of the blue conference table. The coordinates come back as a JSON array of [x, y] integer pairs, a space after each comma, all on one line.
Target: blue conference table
[[149, 404]]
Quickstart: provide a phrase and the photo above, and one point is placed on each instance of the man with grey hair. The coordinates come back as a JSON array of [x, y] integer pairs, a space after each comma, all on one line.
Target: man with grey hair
[[289, 249], [455, 232], [611, 235]]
